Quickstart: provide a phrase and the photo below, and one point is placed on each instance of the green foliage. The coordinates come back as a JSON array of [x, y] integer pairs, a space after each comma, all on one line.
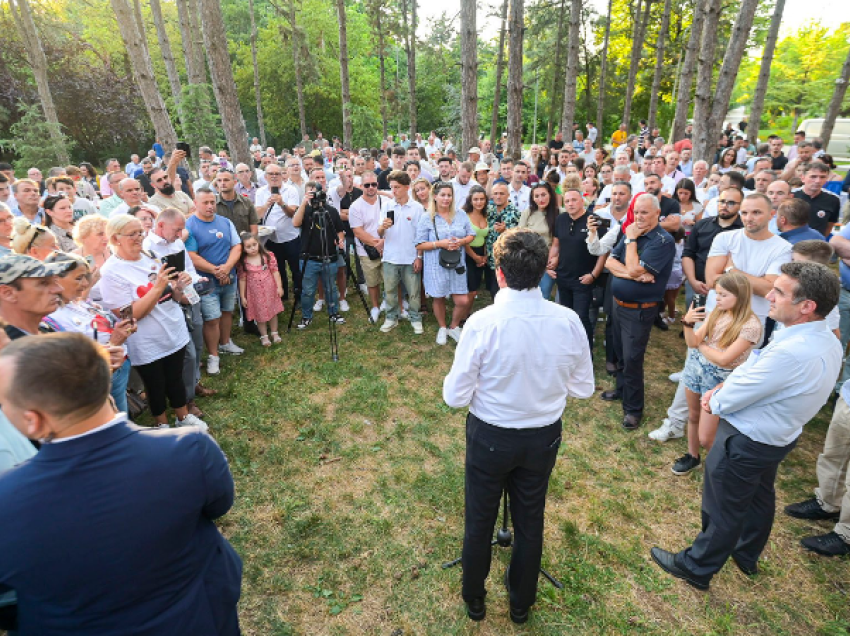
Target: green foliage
[[34, 141], [202, 126]]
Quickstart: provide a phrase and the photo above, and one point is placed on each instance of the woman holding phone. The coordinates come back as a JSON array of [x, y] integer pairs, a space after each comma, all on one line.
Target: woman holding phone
[[149, 289]]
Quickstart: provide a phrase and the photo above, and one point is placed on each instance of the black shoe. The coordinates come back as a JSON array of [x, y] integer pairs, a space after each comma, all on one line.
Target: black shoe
[[476, 609], [611, 368], [829, 544], [611, 396], [667, 562], [749, 570], [305, 322], [631, 422], [810, 509], [685, 464], [518, 616], [659, 322]]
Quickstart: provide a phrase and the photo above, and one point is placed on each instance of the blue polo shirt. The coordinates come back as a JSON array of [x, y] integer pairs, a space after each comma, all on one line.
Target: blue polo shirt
[[804, 233], [211, 240], [656, 250]]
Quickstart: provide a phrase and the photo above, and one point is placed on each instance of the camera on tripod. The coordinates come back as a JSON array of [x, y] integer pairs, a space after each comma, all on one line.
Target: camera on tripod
[[320, 197]]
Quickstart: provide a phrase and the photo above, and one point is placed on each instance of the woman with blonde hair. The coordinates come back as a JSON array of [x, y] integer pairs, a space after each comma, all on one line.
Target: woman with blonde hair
[[420, 191], [90, 236], [32, 239]]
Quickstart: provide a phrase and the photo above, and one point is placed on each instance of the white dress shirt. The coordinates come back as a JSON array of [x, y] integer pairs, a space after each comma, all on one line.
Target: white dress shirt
[[769, 404], [520, 198], [518, 360]]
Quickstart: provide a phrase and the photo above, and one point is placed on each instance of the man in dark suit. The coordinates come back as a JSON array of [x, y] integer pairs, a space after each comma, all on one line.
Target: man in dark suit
[[109, 528]]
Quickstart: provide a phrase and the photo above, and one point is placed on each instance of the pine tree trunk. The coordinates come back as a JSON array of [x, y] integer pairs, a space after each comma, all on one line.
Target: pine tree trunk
[[603, 69], [634, 63], [500, 69], [140, 60], [731, 65], [659, 65], [757, 105], [165, 51], [410, 49], [571, 77], [224, 86], [556, 69], [297, 65], [686, 76], [469, 76], [184, 12], [260, 122], [22, 15], [198, 47], [382, 59], [347, 132], [835, 103], [515, 85], [703, 145]]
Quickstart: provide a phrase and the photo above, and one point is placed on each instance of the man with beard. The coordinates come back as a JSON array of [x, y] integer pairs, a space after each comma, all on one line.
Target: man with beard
[[167, 196]]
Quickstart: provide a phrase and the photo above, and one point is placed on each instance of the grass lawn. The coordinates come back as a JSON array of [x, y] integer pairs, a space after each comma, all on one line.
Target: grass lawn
[[349, 496]]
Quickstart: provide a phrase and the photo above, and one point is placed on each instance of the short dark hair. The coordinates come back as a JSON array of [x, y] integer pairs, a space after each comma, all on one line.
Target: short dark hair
[[815, 250], [736, 179], [444, 158], [69, 393], [795, 211], [817, 166], [400, 176], [399, 151], [815, 282], [521, 254]]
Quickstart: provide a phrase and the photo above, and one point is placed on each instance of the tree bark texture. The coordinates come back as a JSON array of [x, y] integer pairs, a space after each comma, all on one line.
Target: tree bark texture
[[603, 69], [757, 105], [556, 68], [500, 68], [184, 17], [379, 29], [515, 85], [568, 114], [165, 51], [634, 62], [702, 145], [297, 64], [224, 86], [686, 77], [134, 42], [659, 65], [22, 15], [835, 103], [257, 95], [345, 89], [469, 76], [410, 50], [197, 31]]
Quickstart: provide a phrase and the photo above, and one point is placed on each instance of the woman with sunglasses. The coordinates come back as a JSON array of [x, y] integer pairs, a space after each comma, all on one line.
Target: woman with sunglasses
[[59, 219], [32, 239]]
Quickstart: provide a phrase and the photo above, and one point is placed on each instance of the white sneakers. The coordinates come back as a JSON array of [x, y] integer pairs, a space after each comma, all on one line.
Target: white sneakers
[[389, 325], [375, 314], [441, 335], [404, 315], [667, 431], [343, 305], [319, 304], [231, 348], [383, 305], [417, 328], [213, 365], [454, 334], [675, 378], [192, 420]]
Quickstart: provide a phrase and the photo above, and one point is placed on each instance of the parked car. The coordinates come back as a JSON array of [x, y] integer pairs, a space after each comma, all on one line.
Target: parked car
[[839, 143]]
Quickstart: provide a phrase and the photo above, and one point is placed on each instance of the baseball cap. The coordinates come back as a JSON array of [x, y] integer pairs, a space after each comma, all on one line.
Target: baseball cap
[[474, 149], [17, 266]]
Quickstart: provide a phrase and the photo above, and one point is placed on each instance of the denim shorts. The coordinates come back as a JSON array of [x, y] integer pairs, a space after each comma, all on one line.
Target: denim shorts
[[700, 375], [221, 298]]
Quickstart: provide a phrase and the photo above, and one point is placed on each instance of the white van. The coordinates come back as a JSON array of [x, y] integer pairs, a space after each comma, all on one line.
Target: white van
[[839, 143]]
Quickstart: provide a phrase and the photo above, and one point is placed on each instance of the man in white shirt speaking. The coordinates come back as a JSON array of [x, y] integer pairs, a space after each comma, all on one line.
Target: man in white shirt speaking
[[759, 425], [515, 365]]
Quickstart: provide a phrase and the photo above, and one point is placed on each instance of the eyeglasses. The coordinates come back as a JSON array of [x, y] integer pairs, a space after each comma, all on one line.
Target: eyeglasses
[[133, 235], [728, 204]]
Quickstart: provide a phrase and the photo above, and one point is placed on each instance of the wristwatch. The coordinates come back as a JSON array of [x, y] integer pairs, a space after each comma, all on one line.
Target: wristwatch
[[627, 241]]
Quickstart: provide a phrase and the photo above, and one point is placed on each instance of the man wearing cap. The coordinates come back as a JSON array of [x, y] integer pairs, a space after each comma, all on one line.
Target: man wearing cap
[[474, 154], [29, 290]]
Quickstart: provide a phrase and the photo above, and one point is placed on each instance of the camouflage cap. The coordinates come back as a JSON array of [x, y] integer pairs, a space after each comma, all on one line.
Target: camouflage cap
[[16, 266]]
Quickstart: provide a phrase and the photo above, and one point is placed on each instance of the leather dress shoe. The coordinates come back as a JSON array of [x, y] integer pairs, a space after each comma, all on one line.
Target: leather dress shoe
[[611, 368], [476, 609], [193, 409], [749, 570], [631, 422], [810, 509], [611, 396], [202, 391], [667, 562], [518, 616]]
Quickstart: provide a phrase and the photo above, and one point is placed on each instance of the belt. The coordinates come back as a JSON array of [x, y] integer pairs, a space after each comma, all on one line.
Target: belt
[[635, 305]]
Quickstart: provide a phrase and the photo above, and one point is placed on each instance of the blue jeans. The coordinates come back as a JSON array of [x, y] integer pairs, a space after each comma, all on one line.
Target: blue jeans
[[546, 285], [393, 275], [312, 271], [120, 377]]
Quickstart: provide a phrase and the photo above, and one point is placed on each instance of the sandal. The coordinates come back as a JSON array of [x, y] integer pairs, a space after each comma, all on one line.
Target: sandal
[[264, 340], [276, 338]]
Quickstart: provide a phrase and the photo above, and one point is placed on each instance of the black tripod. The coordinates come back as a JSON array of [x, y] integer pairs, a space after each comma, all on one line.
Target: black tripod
[[504, 539]]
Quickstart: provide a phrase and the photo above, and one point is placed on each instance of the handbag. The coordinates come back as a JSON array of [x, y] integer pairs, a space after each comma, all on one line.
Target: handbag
[[450, 259]]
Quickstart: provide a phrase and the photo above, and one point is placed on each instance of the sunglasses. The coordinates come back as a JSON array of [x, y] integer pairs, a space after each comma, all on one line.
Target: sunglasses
[[370, 185]]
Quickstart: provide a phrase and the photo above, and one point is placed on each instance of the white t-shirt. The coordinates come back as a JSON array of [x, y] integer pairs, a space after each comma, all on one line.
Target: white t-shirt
[[461, 191], [202, 183], [123, 208], [284, 230], [399, 243], [366, 215], [163, 331], [520, 198], [756, 258]]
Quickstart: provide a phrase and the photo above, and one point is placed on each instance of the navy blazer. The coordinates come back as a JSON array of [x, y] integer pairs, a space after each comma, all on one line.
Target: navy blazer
[[112, 533]]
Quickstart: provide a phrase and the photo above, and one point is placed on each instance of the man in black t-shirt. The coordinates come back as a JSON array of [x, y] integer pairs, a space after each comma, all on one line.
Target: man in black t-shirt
[[777, 159], [825, 206], [341, 198], [399, 156], [558, 142], [577, 269]]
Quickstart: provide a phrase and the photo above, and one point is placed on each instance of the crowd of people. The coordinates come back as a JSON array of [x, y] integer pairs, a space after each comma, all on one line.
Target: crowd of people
[[157, 267]]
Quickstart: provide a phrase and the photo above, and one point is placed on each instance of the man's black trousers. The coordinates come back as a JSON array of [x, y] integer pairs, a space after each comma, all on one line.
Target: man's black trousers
[[520, 460], [738, 502], [290, 254], [632, 328]]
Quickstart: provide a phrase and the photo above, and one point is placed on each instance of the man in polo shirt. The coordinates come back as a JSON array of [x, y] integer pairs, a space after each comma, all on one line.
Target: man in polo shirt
[[824, 205], [28, 196], [214, 247], [400, 260], [577, 269], [792, 219], [641, 264], [238, 209], [29, 291]]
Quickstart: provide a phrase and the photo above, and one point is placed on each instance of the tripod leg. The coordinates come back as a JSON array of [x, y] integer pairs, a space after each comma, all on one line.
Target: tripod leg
[[359, 291], [330, 290], [552, 579], [299, 286]]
